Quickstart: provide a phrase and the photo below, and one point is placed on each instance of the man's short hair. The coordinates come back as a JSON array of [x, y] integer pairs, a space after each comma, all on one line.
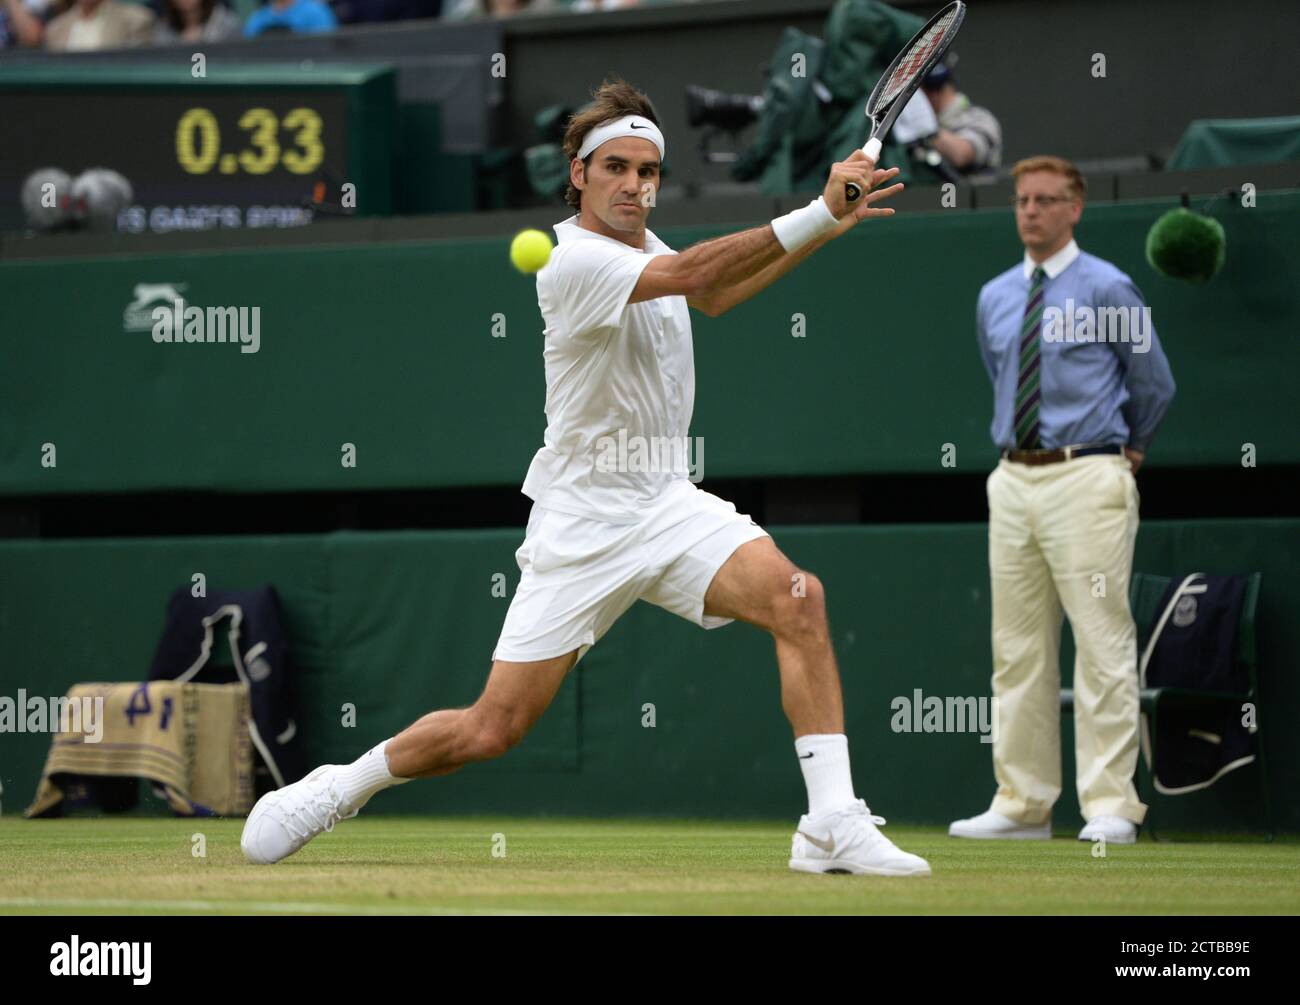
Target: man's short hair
[[1077, 186]]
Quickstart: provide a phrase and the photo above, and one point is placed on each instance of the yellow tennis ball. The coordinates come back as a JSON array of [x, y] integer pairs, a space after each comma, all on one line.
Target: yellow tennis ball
[[530, 250]]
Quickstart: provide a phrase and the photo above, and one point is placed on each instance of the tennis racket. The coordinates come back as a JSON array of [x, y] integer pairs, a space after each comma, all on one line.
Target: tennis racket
[[903, 76]]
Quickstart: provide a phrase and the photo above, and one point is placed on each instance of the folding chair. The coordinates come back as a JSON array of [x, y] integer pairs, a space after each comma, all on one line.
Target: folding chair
[[1144, 599]]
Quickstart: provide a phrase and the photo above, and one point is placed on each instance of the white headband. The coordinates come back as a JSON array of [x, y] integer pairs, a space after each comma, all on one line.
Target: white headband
[[629, 125]]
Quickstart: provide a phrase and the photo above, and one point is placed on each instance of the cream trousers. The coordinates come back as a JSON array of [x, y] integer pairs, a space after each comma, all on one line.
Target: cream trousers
[[1061, 541]]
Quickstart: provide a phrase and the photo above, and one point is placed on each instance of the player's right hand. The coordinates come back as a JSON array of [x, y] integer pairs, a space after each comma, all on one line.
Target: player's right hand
[[857, 168]]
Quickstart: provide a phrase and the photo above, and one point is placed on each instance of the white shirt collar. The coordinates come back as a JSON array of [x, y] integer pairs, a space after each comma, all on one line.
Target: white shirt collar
[[1055, 265], [568, 230]]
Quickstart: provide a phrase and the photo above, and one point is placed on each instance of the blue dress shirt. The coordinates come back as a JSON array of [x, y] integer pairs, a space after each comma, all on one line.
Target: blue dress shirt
[[1114, 388]]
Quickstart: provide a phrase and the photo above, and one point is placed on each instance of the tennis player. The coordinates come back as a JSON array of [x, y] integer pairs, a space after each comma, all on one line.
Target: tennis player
[[604, 534]]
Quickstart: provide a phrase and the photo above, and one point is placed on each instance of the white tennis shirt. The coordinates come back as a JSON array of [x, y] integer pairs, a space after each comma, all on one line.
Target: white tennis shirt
[[614, 371]]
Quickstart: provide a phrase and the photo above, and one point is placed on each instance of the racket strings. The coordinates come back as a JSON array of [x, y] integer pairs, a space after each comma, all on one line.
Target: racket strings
[[914, 62]]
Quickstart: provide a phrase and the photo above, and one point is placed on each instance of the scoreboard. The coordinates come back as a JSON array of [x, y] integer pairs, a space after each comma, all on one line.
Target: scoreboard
[[240, 146]]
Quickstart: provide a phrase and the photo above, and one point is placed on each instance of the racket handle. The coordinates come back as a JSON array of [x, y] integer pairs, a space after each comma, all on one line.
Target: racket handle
[[853, 192]]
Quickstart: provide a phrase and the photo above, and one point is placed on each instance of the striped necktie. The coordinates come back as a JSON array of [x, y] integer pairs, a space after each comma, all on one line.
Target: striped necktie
[[1028, 385]]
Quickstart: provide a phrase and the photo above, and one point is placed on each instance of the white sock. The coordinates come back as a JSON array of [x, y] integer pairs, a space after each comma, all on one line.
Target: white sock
[[824, 761], [367, 775]]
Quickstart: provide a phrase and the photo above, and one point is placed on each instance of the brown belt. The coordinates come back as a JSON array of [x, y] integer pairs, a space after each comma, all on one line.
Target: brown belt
[[1061, 453]]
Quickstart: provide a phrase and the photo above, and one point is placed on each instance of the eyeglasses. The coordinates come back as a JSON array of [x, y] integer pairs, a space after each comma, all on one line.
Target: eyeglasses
[[1041, 201]]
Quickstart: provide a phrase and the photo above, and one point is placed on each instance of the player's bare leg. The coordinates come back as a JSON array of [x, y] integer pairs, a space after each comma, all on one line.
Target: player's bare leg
[[513, 700], [760, 585]]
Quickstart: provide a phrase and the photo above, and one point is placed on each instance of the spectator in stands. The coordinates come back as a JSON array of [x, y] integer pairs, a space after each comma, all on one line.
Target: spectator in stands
[[458, 10], [100, 24], [968, 137], [582, 6], [367, 11], [22, 22], [196, 21], [307, 17]]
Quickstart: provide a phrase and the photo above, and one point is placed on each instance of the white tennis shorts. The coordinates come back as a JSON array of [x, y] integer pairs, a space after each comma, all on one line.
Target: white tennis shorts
[[580, 575]]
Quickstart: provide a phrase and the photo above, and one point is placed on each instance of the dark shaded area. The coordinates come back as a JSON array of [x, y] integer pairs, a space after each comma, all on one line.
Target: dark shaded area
[[951, 497]]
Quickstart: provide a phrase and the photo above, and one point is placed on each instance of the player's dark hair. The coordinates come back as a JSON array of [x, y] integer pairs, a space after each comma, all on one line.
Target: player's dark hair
[[614, 99]]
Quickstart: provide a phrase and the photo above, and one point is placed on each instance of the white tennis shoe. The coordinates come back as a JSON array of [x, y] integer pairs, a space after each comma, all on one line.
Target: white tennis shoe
[[849, 840], [286, 819], [1116, 830], [992, 826]]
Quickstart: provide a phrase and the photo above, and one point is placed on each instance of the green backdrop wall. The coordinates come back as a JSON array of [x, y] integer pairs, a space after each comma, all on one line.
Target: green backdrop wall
[[392, 348], [401, 623]]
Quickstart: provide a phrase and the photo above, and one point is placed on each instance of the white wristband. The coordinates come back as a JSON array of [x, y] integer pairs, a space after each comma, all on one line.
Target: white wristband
[[796, 229]]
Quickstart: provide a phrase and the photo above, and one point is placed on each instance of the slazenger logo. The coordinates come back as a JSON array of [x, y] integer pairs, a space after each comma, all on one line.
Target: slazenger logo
[[138, 315], [159, 309], [102, 959]]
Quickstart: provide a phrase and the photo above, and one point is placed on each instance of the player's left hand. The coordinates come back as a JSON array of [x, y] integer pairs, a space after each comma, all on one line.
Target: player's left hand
[[866, 208], [1135, 458]]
